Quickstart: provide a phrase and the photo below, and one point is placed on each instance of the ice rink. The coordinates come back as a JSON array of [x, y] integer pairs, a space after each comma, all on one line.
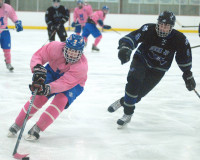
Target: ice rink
[[165, 125]]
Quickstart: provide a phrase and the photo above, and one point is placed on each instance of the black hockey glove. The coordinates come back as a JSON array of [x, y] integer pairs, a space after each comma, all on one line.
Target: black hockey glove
[[106, 27], [124, 54], [43, 89], [189, 80], [39, 73]]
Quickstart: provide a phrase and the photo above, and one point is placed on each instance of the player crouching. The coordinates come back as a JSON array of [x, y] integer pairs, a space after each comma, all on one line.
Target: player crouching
[[63, 77]]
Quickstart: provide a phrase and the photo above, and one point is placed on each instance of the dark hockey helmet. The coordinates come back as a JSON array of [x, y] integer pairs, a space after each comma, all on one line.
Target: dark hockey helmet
[[165, 18], [73, 49], [58, 1]]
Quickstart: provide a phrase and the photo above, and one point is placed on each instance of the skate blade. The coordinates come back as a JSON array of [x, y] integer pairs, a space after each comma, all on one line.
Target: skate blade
[[11, 135], [30, 138], [122, 126], [94, 51]]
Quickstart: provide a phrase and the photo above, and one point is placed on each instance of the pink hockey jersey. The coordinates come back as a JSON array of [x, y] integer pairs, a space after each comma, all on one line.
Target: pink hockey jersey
[[6, 11], [88, 9], [74, 74], [98, 15], [81, 15]]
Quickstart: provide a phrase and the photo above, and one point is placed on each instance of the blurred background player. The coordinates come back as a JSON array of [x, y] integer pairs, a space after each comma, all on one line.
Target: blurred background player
[[63, 77], [56, 16], [88, 8], [81, 14], [154, 56], [91, 28], [6, 11]]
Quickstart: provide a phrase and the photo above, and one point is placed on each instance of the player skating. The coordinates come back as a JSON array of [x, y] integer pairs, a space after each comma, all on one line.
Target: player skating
[[154, 56], [80, 16], [6, 11], [91, 26], [63, 77], [56, 16]]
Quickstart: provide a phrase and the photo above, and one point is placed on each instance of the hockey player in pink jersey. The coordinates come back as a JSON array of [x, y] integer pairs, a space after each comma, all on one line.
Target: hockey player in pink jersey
[[6, 11], [81, 14], [91, 28], [63, 77]]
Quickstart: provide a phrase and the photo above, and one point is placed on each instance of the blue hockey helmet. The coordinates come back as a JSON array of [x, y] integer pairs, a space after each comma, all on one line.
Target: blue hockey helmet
[[80, 1], [74, 48], [105, 8]]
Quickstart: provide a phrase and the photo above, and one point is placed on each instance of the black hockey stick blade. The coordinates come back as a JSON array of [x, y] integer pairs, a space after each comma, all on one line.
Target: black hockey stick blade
[[195, 46]]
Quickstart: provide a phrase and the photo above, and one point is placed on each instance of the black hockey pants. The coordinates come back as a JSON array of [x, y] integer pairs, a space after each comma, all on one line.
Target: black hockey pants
[[140, 81]]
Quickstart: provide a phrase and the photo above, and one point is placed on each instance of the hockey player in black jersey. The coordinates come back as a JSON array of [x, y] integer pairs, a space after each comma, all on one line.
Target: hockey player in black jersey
[[56, 16], [154, 56]]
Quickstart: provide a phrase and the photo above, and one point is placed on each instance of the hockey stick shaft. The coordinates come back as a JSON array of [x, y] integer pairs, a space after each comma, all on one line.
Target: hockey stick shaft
[[197, 93], [195, 46], [189, 26], [49, 37], [6, 29], [115, 31], [24, 123]]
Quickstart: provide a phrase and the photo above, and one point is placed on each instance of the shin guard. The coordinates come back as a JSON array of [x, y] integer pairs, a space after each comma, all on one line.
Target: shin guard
[[53, 111], [38, 103]]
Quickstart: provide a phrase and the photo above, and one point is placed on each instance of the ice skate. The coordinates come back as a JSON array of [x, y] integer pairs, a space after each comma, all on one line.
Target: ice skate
[[13, 130], [94, 48], [9, 67], [124, 120], [115, 106], [33, 134]]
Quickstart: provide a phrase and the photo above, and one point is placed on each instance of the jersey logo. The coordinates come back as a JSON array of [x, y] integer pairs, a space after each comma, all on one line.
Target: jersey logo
[[1, 21], [81, 17], [145, 28], [158, 54]]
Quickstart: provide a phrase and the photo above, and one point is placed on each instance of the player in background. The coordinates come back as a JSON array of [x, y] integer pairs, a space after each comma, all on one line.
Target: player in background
[[91, 26], [154, 56], [56, 16], [7, 11], [63, 77], [88, 8], [81, 14]]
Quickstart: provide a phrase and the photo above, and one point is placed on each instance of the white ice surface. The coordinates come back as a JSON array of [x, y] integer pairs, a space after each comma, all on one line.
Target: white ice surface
[[165, 126]]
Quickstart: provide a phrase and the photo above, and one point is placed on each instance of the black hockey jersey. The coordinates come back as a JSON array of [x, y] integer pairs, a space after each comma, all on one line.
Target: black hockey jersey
[[157, 52], [55, 16]]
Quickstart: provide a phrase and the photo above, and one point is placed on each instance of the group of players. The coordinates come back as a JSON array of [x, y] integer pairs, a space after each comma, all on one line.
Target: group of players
[[84, 19], [65, 73]]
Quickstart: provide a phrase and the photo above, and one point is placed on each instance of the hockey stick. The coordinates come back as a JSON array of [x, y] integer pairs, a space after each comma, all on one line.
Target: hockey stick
[[197, 93], [178, 23], [115, 31], [49, 37], [189, 26], [195, 46], [6, 29], [15, 154]]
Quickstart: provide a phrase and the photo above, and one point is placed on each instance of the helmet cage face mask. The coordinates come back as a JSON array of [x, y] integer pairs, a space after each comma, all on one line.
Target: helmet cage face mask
[[163, 32], [72, 55], [165, 20]]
